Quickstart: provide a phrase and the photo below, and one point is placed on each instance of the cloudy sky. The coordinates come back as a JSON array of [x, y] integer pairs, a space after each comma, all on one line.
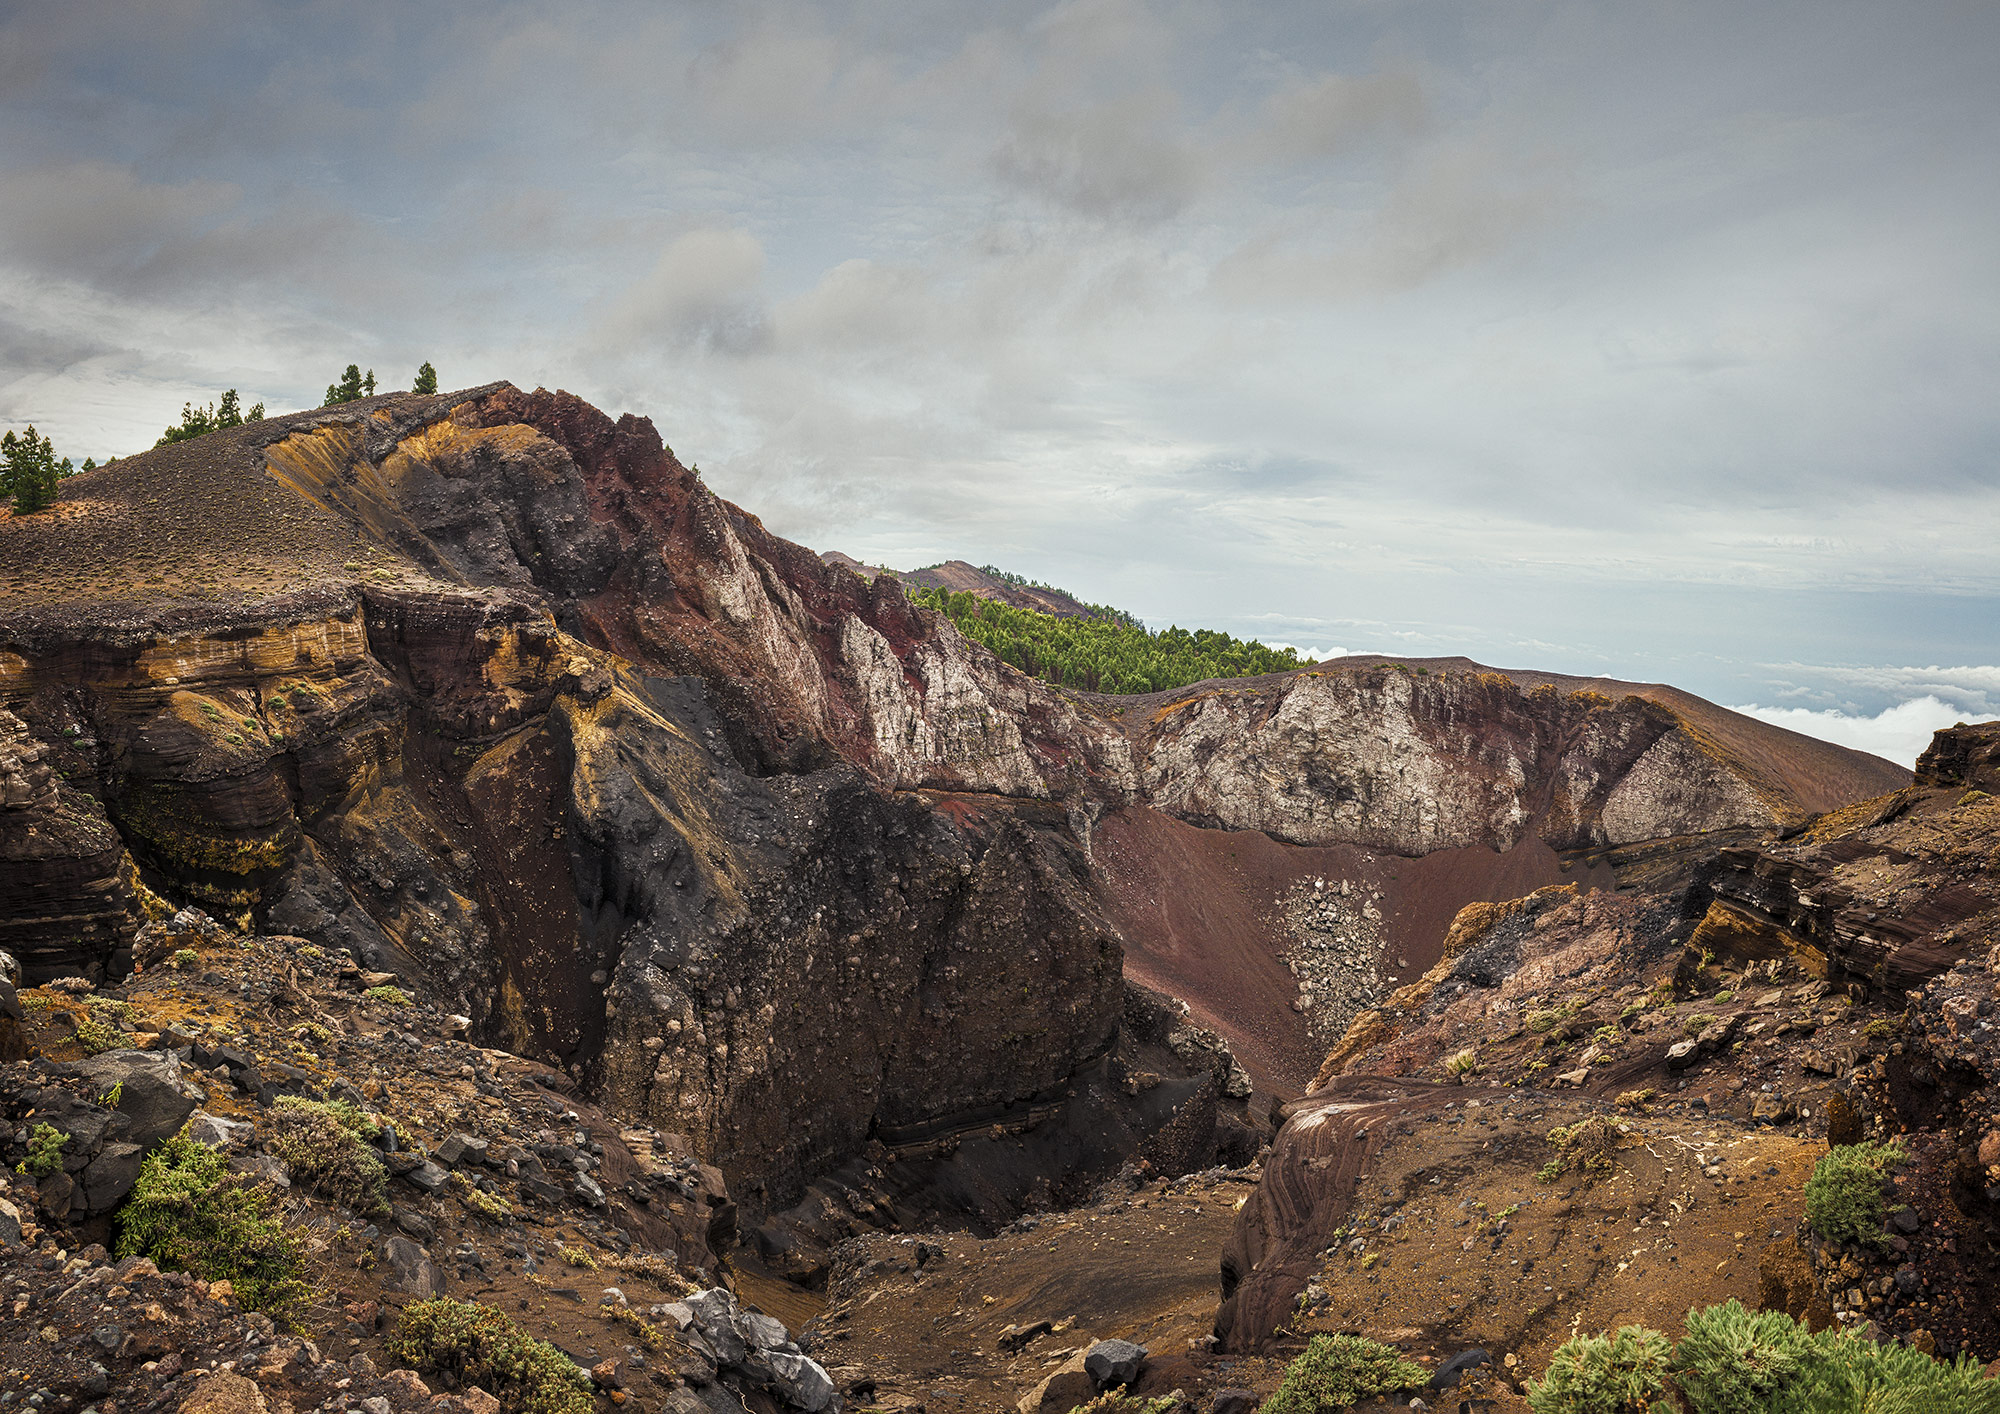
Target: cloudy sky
[[1660, 341]]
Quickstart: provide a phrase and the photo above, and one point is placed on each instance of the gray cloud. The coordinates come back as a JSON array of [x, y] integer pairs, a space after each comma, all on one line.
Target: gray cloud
[[1640, 340], [1117, 159]]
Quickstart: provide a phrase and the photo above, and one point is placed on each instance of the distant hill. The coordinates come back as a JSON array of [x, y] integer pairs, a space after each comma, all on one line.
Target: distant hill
[[988, 582], [1053, 635]]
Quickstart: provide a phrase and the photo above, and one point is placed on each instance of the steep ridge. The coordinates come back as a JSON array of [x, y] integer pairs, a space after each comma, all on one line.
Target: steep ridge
[[490, 689]]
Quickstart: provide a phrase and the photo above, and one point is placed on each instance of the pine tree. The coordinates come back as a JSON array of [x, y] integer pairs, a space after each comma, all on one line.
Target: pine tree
[[427, 379], [347, 390], [210, 417], [28, 471], [368, 384], [90, 463]]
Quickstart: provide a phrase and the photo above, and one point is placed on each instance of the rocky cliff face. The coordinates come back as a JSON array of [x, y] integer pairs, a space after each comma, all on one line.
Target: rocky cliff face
[[1822, 988], [491, 690]]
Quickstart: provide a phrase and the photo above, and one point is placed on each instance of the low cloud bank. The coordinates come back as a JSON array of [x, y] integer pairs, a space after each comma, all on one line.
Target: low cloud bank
[[1899, 733]]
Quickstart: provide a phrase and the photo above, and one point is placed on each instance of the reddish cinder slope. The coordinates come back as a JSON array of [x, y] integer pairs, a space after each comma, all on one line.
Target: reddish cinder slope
[[1201, 914]]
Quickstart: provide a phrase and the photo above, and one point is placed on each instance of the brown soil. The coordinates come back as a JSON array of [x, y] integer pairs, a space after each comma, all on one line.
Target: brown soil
[[1138, 1266], [1199, 913]]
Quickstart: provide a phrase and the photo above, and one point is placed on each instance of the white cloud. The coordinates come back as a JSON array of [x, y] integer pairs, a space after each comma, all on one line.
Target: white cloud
[[1970, 688], [1898, 733], [701, 293]]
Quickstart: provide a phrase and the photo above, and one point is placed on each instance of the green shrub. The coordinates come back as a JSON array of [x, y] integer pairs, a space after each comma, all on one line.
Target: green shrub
[[1696, 1024], [1867, 1378], [323, 1141], [395, 996], [1337, 1370], [96, 1037], [45, 1146], [1736, 1361], [188, 1213], [476, 1344], [1118, 1402], [1844, 1201], [1595, 1374], [1585, 1147]]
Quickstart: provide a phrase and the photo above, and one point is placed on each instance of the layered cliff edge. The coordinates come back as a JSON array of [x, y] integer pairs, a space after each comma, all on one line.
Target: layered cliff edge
[[489, 689]]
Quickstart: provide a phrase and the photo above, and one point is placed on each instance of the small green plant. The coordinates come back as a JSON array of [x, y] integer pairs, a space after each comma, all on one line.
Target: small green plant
[[1844, 1201], [471, 1343], [1595, 1374], [1883, 1027], [110, 1098], [96, 1038], [184, 960], [486, 1205], [312, 1033], [45, 1146], [579, 1257], [1337, 1370], [1585, 1147], [188, 1213], [323, 1142], [394, 996], [1460, 1064], [1117, 1402], [1697, 1023]]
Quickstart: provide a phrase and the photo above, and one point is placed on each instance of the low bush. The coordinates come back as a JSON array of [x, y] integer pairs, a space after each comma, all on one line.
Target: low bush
[[188, 1213], [1585, 1147], [1896, 1379], [1118, 1402], [1596, 1374], [96, 1037], [475, 1344], [1337, 1370], [1737, 1361], [45, 1146], [395, 996], [1844, 1201], [324, 1143]]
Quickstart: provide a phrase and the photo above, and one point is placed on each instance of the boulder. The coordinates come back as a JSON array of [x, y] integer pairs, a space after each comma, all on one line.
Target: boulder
[[461, 1148], [804, 1383], [407, 1268], [714, 1312], [1114, 1362], [216, 1132], [1233, 1401], [106, 1180], [151, 1095], [225, 1392], [1067, 1386]]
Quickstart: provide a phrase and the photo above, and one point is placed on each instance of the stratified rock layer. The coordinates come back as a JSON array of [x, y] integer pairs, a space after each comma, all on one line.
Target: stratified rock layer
[[491, 690]]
